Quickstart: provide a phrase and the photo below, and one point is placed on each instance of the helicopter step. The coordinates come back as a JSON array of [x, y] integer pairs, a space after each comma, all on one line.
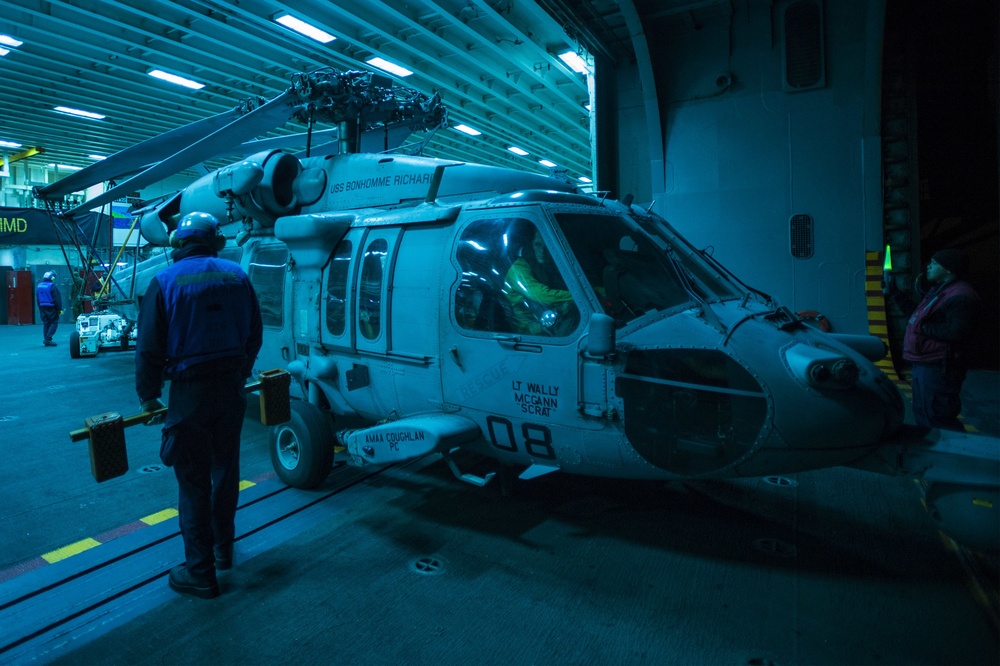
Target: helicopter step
[[407, 438]]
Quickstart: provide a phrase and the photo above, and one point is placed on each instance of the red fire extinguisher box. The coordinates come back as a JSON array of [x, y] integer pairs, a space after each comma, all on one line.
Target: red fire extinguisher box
[[20, 298]]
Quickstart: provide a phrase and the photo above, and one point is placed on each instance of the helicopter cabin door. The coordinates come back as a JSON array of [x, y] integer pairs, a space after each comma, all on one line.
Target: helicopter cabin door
[[381, 285], [509, 355]]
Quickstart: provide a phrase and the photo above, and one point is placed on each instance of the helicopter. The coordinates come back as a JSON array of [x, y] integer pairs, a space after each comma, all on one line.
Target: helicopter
[[394, 290]]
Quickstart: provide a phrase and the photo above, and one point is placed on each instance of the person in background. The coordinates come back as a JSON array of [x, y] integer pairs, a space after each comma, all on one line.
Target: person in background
[[200, 327], [50, 306], [941, 323]]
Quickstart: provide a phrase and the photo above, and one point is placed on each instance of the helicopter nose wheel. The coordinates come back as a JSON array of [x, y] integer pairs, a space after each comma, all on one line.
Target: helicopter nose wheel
[[302, 448]]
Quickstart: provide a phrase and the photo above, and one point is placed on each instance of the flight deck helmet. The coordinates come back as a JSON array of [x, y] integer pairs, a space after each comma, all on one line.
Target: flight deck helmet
[[49, 276], [198, 228]]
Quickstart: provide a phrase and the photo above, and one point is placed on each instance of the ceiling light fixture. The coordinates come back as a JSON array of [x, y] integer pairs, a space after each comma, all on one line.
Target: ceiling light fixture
[[390, 67], [575, 62], [547, 163], [173, 78], [7, 40], [9, 144], [303, 28], [4, 52], [78, 112], [517, 151], [98, 157], [465, 129], [584, 179]]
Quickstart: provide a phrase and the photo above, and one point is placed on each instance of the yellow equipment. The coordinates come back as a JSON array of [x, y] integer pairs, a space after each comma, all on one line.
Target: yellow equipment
[[106, 432]]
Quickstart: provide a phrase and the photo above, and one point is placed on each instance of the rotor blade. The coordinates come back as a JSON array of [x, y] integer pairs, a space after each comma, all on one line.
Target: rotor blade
[[259, 145], [274, 113], [136, 157]]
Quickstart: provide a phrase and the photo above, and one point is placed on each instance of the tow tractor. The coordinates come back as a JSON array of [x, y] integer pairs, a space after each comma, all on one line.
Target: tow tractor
[[101, 330]]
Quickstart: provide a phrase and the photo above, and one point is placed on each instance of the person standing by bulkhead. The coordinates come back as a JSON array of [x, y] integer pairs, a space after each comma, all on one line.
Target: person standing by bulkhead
[[941, 323], [50, 306]]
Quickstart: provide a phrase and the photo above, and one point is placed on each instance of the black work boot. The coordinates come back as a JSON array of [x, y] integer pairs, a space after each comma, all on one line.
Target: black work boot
[[182, 581], [223, 557]]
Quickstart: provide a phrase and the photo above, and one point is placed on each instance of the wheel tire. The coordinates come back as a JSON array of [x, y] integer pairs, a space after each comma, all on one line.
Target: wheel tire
[[74, 344], [302, 448]]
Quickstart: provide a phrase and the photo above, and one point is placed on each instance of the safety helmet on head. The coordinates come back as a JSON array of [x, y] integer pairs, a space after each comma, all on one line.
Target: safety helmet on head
[[198, 228], [49, 276]]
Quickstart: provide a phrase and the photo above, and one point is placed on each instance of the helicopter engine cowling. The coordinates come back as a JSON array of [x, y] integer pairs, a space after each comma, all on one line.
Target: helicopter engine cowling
[[261, 187], [257, 191]]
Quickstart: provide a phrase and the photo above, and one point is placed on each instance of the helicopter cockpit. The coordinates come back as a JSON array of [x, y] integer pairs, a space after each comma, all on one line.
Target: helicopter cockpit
[[511, 282]]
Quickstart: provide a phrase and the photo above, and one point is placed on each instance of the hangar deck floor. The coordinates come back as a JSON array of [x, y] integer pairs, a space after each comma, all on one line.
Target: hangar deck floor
[[410, 566]]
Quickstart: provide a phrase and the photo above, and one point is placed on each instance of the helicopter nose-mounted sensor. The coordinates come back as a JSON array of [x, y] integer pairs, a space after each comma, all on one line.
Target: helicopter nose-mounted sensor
[[820, 368]]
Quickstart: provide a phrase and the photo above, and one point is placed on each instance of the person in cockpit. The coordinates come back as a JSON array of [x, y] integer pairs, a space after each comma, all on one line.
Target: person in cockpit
[[539, 302]]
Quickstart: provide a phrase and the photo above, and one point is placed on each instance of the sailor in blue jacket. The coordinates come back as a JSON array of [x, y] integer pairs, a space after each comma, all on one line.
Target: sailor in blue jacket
[[49, 306], [200, 328]]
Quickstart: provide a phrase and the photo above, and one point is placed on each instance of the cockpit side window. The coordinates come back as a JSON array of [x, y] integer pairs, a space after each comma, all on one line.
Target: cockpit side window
[[629, 274], [509, 282], [268, 266]]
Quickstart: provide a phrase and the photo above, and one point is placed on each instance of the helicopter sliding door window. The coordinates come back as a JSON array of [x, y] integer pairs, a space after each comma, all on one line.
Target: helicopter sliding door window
[[268, 267], [509, 282], [338, 276], [370, 292], [373, 275]]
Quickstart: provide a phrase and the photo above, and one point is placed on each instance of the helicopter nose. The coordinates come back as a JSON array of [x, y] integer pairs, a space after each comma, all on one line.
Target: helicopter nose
[[691, 411], [768, 404]]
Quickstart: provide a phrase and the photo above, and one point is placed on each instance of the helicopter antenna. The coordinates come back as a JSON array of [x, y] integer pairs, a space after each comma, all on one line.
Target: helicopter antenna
[[432, 191], [309, 128]]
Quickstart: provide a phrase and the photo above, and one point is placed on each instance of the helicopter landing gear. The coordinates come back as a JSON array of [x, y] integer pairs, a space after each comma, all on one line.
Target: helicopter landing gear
[[302, 448]]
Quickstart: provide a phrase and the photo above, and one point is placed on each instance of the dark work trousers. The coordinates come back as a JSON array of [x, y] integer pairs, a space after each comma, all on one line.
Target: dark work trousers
[[50, 321], [936, 396], [201, 438]]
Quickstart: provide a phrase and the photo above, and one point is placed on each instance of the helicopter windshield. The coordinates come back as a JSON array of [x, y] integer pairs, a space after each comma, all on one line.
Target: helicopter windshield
[[629, 273], [709, 280]]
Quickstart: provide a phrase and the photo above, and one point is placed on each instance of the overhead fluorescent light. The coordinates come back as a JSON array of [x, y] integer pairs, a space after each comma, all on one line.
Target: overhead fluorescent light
[[7, 40], [64, 167], [4, 52], [98, 157], [467, 130], [575, 62], [303, 28], [390, 67], [9, 144], [173, 78], [584, 179], [517, 151], [78, 112], [547, 163]]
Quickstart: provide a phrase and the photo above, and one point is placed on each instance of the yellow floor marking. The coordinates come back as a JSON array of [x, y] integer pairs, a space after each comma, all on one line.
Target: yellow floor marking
[[70, 550], [159, 516], [246, 484]]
